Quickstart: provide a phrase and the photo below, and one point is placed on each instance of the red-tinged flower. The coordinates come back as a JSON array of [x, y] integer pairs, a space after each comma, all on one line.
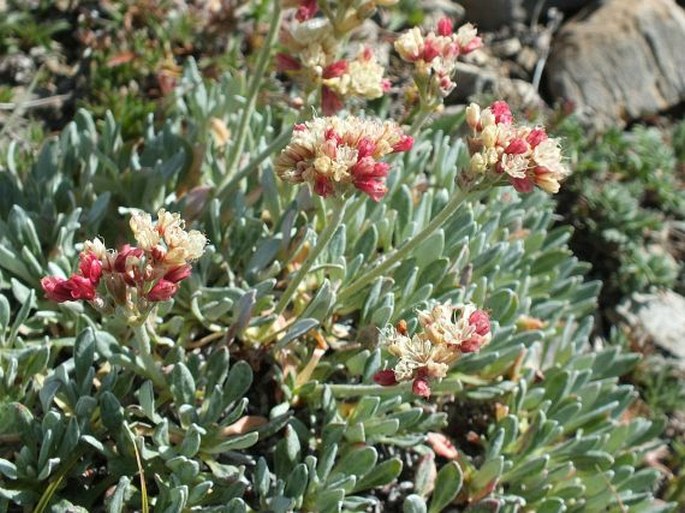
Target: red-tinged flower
[[178, 273], [385, 378], [162, 291], [445, 27], [525, 156], [90, 266], [332, 154], [285, 62]]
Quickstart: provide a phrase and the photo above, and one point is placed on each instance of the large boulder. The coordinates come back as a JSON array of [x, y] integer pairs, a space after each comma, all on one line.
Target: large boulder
[[621, 61]]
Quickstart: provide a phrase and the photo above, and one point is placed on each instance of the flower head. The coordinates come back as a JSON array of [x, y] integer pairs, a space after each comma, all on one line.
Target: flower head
[[447, 331], [435, 55], [132, 278], [525, 156], [332, 154]]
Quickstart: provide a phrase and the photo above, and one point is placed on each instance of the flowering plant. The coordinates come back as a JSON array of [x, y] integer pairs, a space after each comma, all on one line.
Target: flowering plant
[[368, 314]]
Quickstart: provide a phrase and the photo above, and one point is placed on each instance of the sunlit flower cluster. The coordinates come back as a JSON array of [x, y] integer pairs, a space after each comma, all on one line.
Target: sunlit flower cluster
[[446, 332], [499, 148], [132, 278], [332, 154], [435, 55], [311, 59]]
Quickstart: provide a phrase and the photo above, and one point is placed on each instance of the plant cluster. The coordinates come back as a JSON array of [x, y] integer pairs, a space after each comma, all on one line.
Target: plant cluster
[[326, 314], [626, 202]]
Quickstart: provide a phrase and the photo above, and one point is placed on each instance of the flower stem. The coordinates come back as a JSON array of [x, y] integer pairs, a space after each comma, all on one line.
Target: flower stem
[[253, 88], [141, 343], [449, 385], [230, 182], [321, 243], [404, 251]]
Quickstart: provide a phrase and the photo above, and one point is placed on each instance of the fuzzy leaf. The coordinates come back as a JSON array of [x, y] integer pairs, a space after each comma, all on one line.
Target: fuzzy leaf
[[447, 486]]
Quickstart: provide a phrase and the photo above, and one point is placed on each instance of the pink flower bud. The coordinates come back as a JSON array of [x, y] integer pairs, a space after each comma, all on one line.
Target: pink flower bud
[[421, 387], [430, 50], [445, 27], [385, 378], [330, 103], [481, 321], [306, 10], [373, 188], [524, 185], [162, 291], [286, 62], [405, 143], [386, 85], [60, 290], [336, 69], [365, 148], [474, 44], [178, 273], [55, 289], [502, 112], [472, 345], [323, 187], [536, 136], [122, 257], [516, 147], [81, 288]]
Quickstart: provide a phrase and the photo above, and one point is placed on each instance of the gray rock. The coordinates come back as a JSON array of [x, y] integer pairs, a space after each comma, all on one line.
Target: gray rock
[[661, 319], [621, 61], [492, 14]]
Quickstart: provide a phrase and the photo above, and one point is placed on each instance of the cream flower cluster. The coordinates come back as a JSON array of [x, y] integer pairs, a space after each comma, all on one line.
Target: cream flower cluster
[[499, 148], [447, 331], [311, 59], [435, 55], [132, 278], [331, 154]]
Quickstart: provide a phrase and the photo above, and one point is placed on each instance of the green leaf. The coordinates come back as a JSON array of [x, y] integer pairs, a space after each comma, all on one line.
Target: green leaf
[[238, 382], [447, 486], [297, 481], [4, 314], [84, 354], [182, 385], [111, 411], [298, 329], [330, 501], [116, 504], [414, 504], [234, 443], [8, 469], [358, 462], [381, 475]]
